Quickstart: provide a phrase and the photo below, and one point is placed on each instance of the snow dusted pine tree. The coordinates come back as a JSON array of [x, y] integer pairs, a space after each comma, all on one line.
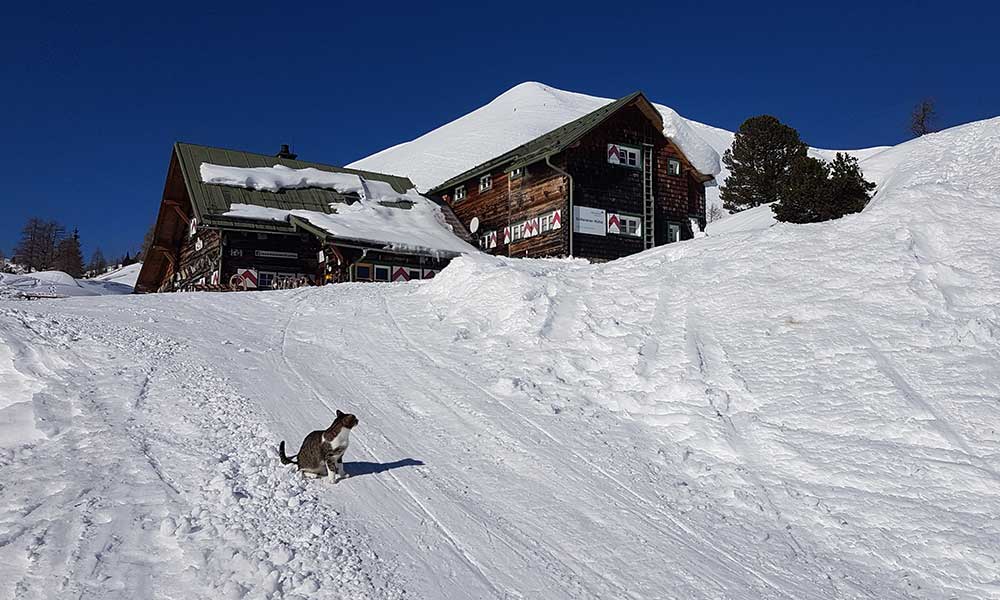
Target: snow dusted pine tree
[[762, 153]]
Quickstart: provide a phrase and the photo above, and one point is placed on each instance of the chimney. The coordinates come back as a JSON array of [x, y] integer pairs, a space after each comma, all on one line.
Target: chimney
[[286, 153]]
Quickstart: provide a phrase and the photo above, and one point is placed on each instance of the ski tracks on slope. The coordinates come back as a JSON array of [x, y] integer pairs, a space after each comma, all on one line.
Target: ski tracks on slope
[[690, 539], [175, 490]]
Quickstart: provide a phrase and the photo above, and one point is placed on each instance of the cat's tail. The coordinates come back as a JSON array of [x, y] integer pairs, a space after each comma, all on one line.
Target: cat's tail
[[286, 460]]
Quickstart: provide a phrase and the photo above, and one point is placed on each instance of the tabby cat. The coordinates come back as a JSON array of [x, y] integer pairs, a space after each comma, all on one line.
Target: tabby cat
[[322, 452]]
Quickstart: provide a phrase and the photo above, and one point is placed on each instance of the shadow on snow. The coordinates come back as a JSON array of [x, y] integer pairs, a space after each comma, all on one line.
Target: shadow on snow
[[357, 468]]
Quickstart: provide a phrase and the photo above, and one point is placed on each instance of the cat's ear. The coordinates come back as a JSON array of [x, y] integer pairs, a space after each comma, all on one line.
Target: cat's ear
[[339, 414]]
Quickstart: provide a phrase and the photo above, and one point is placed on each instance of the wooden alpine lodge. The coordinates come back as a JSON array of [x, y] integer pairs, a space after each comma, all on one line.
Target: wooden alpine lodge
[[606, 185]]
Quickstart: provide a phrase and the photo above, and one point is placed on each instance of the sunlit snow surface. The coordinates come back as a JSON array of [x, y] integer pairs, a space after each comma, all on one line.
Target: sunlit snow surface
[[798, 411]]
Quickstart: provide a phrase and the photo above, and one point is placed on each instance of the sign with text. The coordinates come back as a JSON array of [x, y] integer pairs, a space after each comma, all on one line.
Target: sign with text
[[588, 220]]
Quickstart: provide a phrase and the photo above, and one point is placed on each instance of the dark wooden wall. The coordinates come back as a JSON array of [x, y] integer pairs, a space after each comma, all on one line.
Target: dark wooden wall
[[239, 248], [540, 190], [613, 188]]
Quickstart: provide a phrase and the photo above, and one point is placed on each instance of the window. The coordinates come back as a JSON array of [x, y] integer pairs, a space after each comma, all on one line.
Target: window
[[413, 272], [485, 183], [673, 167], [515, 173], [381, 273], [623, 155], [517, 232], [363, 272], [630, 157], [673, 233], [631, 226], [265, 280], [460, 193], [545, 223]]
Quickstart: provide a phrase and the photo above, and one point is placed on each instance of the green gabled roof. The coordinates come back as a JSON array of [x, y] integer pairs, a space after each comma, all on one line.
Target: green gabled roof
[[551, 143], [210, 202]]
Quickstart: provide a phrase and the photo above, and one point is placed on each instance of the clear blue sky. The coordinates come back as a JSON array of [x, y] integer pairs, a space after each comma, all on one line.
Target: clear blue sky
[[94, 96]]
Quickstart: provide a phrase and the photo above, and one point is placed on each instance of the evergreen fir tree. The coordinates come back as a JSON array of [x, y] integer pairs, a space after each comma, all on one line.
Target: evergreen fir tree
[[69, 258], [816, 191], [758, 162], [849, 192], [804, 193]]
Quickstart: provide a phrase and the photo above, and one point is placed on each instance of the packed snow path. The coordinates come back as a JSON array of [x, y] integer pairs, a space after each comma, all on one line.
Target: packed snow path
[[800, 412]]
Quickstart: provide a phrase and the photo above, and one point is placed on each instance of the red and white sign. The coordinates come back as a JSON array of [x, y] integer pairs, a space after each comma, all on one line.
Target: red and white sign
[[249, 277], [400, 274], [506, 235], [430, 273], [614, 223], [556, 219], [531, 227], [215, 278]]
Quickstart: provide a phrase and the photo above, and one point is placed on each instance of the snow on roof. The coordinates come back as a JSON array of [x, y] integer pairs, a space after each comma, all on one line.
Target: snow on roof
[[280, 177], [419, 228]]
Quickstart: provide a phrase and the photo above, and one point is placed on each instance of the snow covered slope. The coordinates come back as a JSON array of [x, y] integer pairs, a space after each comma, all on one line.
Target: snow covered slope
[[56, 284], [798, 412]]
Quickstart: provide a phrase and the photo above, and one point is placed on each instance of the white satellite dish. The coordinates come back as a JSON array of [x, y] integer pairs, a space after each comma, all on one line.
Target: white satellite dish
[[474, 225]]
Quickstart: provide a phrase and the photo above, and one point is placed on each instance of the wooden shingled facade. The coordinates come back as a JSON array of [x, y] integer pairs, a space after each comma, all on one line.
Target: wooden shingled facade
[[562, 194]]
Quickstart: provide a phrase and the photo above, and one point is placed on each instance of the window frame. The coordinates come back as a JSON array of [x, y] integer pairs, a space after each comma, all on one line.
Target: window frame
[[486, 183], [671, 162], [460, 193], [517, 173], [625, 220], [367, 267]]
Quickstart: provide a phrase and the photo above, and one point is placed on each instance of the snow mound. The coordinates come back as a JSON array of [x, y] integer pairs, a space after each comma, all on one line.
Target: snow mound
[[126, 275], [56, 284], [753, 219]]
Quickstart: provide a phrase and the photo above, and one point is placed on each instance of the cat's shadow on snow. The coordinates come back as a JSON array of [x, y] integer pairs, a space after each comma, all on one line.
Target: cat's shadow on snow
[[356, 468]]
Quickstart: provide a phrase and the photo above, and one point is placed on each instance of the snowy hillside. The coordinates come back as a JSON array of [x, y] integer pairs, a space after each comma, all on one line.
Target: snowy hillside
[[530, 109], [56, 284], [796, 412]]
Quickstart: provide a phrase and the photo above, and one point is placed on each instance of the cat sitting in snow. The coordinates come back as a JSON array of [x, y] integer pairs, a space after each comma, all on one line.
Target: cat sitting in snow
[[322, 452]]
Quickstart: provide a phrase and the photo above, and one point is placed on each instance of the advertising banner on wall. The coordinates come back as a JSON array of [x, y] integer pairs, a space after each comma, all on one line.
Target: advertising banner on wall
[[588, 220]]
